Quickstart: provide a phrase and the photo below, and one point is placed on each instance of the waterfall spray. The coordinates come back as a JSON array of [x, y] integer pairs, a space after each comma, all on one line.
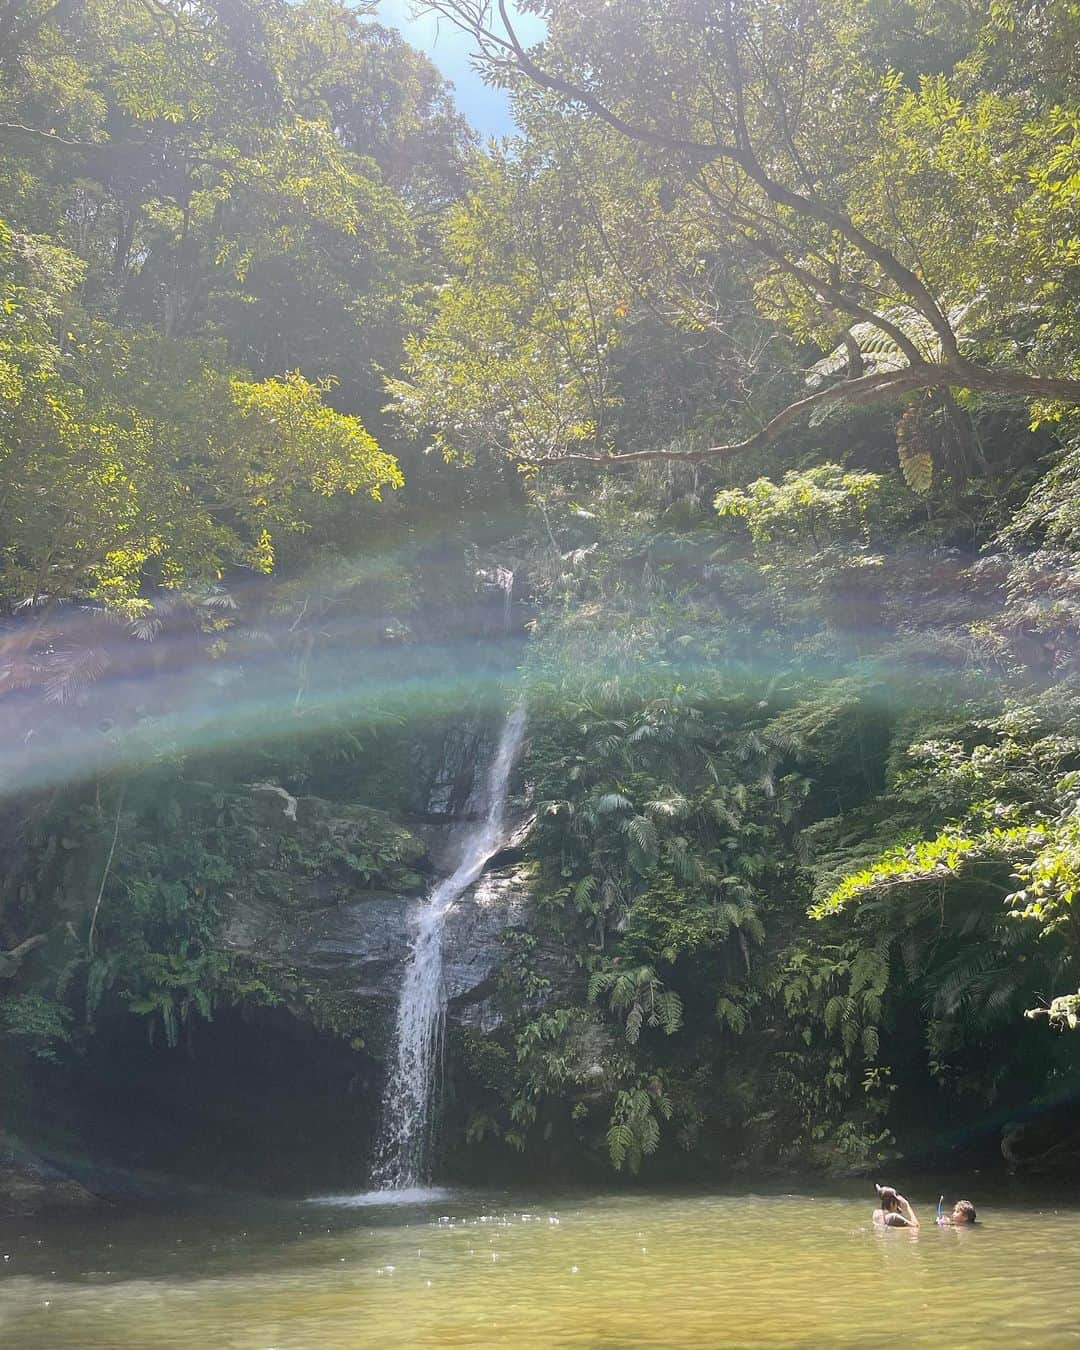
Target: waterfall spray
[[412, 1090]]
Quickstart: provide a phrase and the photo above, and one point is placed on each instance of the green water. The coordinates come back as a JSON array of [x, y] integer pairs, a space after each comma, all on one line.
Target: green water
[[611, 1271]]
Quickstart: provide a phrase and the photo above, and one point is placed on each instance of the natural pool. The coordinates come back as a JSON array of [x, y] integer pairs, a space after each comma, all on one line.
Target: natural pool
[[490, 1269]]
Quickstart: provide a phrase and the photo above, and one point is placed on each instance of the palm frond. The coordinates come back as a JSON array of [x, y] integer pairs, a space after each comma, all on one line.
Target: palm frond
[[70, 671], [611, 802]]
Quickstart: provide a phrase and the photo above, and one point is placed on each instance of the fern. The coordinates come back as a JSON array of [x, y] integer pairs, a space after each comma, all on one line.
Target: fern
[[669, 1011], [612, 802], [634, 1130], [71, 670], [914, 450], [646, 842], [39, 1024], [600, 981], [880, 351], [671, 807], [145, 627], [731, 1015], [687, 867], [621, 1144], [834, 1012], [649, 1134], [584, 892]]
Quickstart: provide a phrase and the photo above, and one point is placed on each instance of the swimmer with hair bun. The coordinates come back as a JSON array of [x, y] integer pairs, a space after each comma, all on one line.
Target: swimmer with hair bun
[[894, 1211]]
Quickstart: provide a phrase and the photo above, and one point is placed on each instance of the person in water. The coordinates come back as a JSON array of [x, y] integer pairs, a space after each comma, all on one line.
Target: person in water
[[895, 1212], [963, 1214]]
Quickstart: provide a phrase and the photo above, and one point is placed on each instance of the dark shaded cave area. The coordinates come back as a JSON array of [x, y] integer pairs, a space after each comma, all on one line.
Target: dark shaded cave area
[[257, 1099]]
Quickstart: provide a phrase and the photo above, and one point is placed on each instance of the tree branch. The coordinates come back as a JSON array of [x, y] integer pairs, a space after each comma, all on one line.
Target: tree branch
[[505, 50], [11, 960], [874, 388], [809, 204], [121, 151], [470, 17], [818, 285], [49, 137]]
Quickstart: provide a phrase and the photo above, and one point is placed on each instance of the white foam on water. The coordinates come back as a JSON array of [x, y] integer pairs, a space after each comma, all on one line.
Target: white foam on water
[[407, 1195]]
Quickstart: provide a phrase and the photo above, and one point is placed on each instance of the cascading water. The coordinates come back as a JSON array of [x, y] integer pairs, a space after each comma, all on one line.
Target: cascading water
[[504, 579], [412, 1090]]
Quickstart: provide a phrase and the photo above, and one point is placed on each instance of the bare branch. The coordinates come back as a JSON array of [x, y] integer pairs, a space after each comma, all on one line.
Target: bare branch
[[119, 152], [874, 388], [18, 129]]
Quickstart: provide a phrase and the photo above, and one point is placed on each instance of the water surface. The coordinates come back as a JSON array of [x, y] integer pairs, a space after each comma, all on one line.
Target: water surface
[[613, 1271]]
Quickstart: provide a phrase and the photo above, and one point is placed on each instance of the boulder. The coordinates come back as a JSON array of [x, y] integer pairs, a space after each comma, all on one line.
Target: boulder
[[30, 1185]]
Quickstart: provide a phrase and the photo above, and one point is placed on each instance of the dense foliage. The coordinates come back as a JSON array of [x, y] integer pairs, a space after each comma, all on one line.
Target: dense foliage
[[756, 350], [805, 779], [216, 224]]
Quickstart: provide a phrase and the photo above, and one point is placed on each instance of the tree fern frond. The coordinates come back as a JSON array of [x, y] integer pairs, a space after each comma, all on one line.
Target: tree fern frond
[[643, 833], [612, 802], [880, 351], [649, 1139], [671, 807], [583, 894], [216, 597], [834, 1011], [669, 1008], [145, 628], [600, 981], [620, 1142], [72, 670]]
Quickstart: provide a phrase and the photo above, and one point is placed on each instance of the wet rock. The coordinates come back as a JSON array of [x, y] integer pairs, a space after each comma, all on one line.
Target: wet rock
[[513, 848], [442, 839], [320, 936], [474, 946], [30, 1185], [360, 949], [308, 853], [268, 809], [445, 769], [319, 822]]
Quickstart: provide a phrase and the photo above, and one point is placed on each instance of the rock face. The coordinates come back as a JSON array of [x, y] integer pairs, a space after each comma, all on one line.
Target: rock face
[[444, 770], [474, 947], [326, 934], [359, 949]]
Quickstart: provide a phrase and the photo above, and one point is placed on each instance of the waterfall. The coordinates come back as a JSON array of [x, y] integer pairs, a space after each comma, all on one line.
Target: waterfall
[[504, 579], [412, 1090]]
